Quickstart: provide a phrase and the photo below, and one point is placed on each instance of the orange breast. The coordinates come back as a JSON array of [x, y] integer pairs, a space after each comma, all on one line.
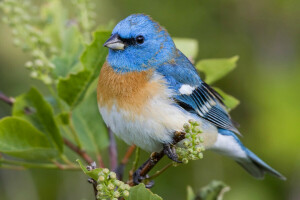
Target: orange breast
[[128, 91]]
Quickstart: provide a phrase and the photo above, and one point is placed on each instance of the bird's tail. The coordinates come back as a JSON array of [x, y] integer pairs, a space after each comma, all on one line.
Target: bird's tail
[[256, 167], [229, 145]]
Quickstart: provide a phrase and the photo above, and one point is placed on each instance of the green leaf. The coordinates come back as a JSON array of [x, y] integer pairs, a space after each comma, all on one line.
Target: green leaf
[[187, 46], [72, 46], [73, 88], [190, 193], [141, 192], [92, 173], [229, 101], [89, 125], [32, 107], [20, 139], [213, 191], [95, 54], [215, 69]]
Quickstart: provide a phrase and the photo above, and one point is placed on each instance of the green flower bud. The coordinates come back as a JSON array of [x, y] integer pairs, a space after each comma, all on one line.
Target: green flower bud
[[185, 161], [117, 183], [126, 193], [105, 171], [110, 186], [112, 175], [198, 149], [99, 187], [101, 179], [186, 143], [127, 187], [116, 194], [122, 186], [34, 74], [200, 155], [29, 64]]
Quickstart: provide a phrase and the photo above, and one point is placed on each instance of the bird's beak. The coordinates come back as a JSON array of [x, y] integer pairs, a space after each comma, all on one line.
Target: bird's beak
[[115, 43]]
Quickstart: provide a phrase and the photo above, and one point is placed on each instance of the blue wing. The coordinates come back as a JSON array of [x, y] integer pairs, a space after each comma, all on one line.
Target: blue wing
[[193, 94]]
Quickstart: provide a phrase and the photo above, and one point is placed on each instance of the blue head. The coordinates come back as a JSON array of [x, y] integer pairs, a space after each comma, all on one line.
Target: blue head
[[138, 43]]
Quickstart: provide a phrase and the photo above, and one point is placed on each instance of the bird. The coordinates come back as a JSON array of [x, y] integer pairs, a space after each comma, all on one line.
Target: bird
[[148, 89]]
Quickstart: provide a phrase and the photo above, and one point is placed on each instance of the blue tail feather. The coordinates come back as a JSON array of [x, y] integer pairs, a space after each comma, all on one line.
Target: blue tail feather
[[229, 144], [256, 167]]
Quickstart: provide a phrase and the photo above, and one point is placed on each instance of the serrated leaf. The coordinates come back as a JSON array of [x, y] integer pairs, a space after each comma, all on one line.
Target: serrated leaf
[[89, 125], [229, 101], [215, 69], [20, 139], [92, 173], [190, 193], [213, 191], [32, 107], [71, 89], [188, 46], [141, 192]]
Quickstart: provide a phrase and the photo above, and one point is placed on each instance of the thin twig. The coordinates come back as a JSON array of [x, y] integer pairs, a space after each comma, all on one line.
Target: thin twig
[[38, 165], [113, 153], [9, 100], [121, 167], [79, 151], [128, 154], [159, 172]]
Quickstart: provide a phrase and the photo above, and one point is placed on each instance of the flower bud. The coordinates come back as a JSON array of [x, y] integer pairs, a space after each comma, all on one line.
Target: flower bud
[[116, 194], [111, 186], [112, 175], [185, 160], [105, 171], [99, 187], [126, 193], [101, 178], [127, 187]]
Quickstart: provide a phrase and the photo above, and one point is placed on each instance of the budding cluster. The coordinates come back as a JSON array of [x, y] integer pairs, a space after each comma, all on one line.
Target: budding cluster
[[86, 15], [109, 187], [192, 149], [27, 35]]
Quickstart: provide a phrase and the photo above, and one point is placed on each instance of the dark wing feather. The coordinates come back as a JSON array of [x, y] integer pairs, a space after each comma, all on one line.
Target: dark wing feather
[[208, 104]]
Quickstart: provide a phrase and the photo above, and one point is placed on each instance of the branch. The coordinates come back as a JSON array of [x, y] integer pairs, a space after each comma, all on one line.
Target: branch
[[156, 157], [9, 100], [121, 167], [79, 151], [38, 165], [113, 153]]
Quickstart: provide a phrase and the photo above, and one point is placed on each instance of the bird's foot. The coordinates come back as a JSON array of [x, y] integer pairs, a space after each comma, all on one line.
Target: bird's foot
[[170, 151], [138, 178]]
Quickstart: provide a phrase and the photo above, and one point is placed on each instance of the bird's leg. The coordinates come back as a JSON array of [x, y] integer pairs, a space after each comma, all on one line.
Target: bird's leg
[[141, 173], [170, 151]]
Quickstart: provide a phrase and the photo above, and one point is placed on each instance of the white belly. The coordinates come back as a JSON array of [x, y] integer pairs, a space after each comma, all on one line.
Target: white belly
[[155, 125]]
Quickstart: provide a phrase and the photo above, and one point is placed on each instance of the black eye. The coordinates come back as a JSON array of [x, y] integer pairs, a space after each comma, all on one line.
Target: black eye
[[140, 39]]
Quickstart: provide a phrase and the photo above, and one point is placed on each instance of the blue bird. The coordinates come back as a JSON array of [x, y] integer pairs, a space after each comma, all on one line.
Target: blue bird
[[148, 89]]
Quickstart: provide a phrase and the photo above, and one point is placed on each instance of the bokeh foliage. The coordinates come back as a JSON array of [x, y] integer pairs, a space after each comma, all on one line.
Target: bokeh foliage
[[265, 35]]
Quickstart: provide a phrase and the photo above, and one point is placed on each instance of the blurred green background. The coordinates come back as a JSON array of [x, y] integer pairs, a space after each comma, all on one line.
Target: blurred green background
[[266, 36]]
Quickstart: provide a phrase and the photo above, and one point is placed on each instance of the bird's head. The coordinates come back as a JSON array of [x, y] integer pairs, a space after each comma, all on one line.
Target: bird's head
[[138, 43]]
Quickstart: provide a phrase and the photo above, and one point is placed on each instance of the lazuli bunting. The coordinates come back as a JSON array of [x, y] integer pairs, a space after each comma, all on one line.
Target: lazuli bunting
[[148, 89]]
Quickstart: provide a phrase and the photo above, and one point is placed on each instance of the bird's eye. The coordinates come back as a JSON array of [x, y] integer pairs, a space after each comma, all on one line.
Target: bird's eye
[[140, 39]]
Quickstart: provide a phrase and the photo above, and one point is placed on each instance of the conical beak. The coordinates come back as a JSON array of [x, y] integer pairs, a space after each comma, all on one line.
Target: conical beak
[[115, 43]]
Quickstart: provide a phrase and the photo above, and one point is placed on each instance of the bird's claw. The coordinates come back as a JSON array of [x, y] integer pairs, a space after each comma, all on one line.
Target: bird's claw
[[137, 179], [169, 150]]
